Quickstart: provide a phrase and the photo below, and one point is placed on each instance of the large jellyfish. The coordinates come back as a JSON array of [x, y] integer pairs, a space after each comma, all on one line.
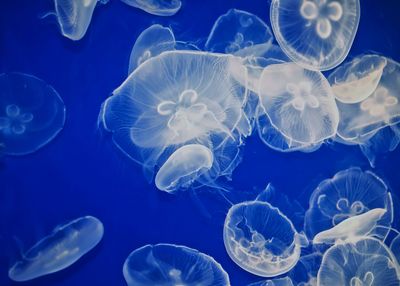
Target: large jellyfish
[[237, 30], [298, 106], [168, 264], [363, 262], [59, 250], [316, 34], [156, 7], [175, 99], [350, 193], [285, 281], [31, 113], [261, 240]]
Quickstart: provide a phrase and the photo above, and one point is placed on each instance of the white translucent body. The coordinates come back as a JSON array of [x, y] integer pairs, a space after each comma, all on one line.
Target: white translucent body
[[183, 167], [365, 262], [352, 228], [317, 34], [354, 81], [168, 264], [59, 250], [156, 7], [286, 281]]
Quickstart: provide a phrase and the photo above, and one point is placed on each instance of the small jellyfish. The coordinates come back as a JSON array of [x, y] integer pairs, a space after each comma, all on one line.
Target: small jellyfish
[[237, 30], [317, 34], [350, 193], [168, 264], [354, 81], [299, 104], [156, 7], [285, 281], [357, 263], [31, 113], [260, 239], [183, 167], [59, 250]]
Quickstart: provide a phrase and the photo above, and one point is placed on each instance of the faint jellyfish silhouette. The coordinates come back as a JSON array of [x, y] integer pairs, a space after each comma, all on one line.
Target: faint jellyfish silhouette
[[156, 7], [261, 240], [58, 250], [169, 264], [237, 30], [306, 270], [395, 246], [31, 113], [285, 281], [297, 106], [349, 193], [317, 34], [175, 99], [356, 263]]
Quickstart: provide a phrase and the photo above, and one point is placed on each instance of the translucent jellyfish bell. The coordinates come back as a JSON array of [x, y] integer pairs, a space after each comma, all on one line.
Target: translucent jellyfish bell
[[285, 281], [59, 250], [363, 262], [350, 193], [317, 34], [299, 104], [260, 239], [168, 264], [156, 7], [31, 113]]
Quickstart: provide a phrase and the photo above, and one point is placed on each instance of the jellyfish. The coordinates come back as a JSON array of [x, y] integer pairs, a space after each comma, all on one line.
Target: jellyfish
[[366, 261], [156, 7], [169, 264], [285, 281], [58, 250], [299, 108], [316, 34], [237, 30], [31, 113], [354, 81], [260, 239], [175, 99], [306, 270], [348, 194], [395, 246]]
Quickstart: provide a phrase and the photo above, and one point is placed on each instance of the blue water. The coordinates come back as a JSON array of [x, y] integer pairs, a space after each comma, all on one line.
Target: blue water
[[82, 173]]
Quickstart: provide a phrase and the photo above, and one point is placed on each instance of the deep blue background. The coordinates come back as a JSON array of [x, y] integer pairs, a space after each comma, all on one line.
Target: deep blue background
[[81, 172]]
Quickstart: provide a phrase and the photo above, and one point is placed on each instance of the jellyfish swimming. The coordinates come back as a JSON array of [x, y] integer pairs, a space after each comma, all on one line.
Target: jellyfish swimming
[[285, 281], [299, 108], [362, 262], [156, 7], [237, 30], [316, 34], [169, 264], [179, 98], [349, 194], [260, 239], [32, 113], [58, 250]]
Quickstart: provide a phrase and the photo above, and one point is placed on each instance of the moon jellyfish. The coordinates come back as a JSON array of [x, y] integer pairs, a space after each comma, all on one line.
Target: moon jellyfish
[[317, 34], [351, 228], [175, 99], [156, 7], [299, 106], [354, 81], [285, 281], [261, 240], [237, 30], [31, 113], [348, 194], [184, 166], [395, 247], [168, 264], [363, 262], [59, 250]]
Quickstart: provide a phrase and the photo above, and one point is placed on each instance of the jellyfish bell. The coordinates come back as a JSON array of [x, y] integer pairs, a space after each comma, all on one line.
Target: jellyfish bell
[[169, 264], [315, 34], [156, 7], [285, 281]]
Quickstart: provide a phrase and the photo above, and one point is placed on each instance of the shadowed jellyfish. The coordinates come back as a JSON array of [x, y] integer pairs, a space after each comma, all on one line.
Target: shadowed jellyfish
[[31, 113], [365, 262], [59, 250], [168, 264], [349, 194], [299, 108], [317, 34], [156, 7], [286, 281], [237, 30], [306, 270]]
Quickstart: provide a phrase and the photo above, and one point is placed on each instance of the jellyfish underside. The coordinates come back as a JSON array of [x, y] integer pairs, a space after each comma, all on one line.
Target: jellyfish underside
[[156, 7]]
